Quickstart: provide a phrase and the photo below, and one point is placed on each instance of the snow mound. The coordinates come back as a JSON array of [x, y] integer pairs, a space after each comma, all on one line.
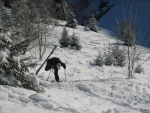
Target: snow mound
[[32, 78], [3, 96], [24, 99], [39, 97], [47, 105], [83, 87]]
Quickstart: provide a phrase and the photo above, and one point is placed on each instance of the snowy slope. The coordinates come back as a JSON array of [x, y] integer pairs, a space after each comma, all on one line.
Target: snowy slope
[[88, 89]]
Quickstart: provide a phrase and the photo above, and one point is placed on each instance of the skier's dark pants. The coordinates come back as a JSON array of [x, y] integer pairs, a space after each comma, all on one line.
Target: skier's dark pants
[[56, 74]]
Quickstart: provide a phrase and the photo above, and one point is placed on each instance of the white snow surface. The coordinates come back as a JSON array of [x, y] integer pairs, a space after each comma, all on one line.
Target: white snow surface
[[88, 88]]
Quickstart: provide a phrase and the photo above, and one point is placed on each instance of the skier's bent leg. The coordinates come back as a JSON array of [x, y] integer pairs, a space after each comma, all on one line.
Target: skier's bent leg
[[56, 74]]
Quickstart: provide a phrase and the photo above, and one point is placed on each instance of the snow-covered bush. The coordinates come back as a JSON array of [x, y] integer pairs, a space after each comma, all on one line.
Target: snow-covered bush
[[33, 83], [99, 61], [139, 69], [65, 40], [109, 60], [32, 78], [86, 28], [11, 66], [92, 24], [115, 56], [75, 42], [118, 56], [72, 22]]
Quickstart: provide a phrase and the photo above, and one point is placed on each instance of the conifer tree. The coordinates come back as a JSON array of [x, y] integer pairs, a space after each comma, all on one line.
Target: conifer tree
[[92, 24], [13, 43], [72, 22], [13, 69], [65, 39], [65, 12]]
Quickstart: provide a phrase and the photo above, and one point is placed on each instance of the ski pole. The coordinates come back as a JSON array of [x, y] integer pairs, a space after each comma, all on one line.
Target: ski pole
[[46, 60], [49, 74], [65, 74]]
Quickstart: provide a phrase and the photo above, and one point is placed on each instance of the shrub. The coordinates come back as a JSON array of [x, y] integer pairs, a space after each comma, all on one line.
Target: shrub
[[116, 56], [75, 41], [99, 61], [92, 25], [119, 56], [109, 60], [65, 39], [72, 22], [139, 69], [86, 28]]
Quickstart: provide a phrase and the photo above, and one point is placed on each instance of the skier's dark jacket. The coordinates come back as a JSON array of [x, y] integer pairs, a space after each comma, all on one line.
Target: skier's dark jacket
[[51, 63]]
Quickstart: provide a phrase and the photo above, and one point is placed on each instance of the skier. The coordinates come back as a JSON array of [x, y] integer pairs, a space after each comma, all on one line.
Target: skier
[[55, 63]]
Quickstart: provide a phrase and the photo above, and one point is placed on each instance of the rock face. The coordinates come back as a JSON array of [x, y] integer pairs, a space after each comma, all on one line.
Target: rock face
[[7, 3], [140, 12], [84, 8]]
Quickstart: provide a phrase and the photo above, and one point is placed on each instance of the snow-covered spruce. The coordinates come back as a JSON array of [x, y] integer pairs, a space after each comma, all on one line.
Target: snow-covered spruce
[[72, 22], [12, 68], [92, 24]]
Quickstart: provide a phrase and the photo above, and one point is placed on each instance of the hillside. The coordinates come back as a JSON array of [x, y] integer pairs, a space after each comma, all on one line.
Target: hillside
[[88, 88]]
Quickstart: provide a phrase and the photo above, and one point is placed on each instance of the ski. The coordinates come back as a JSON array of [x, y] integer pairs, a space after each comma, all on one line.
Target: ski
[[46, 60]]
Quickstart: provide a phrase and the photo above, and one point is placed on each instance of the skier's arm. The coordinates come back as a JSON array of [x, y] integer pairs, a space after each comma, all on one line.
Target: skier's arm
[[48, 65], [64, 65]]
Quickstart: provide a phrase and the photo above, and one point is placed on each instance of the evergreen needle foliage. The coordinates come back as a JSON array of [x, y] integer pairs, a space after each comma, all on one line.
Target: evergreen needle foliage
[[99, 61], [65, 39], [92, 24], [75, 41], [15, 36]]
